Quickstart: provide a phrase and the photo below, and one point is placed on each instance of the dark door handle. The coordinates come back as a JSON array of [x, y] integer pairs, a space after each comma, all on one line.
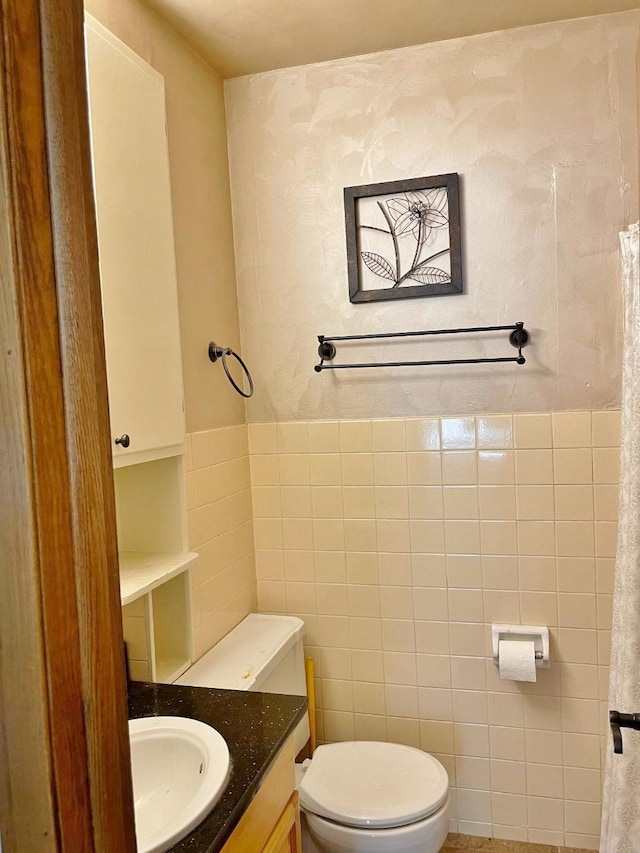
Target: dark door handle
[[619, 721], [124, 440]]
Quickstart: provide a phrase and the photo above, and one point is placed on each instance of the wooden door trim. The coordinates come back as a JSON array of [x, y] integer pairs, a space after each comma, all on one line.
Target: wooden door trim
[[66, 783]]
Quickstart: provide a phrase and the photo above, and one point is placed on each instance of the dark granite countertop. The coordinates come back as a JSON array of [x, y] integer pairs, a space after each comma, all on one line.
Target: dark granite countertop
[[255, 727]]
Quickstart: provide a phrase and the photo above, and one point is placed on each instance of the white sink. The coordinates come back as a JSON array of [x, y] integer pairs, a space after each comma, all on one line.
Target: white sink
[[180, 770]]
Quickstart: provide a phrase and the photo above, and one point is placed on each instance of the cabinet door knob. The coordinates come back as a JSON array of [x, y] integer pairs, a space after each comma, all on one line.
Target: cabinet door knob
[[124, 440]]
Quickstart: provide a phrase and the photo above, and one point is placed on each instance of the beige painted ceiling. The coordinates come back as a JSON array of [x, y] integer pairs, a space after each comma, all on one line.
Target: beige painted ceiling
[[239, 37]]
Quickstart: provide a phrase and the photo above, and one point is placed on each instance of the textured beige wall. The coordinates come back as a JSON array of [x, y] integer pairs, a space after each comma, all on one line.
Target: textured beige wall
[[201, 205], [541, 125], [399, 542]]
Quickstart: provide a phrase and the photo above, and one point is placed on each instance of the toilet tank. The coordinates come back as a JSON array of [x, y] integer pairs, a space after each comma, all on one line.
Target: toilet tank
[[263, 653]]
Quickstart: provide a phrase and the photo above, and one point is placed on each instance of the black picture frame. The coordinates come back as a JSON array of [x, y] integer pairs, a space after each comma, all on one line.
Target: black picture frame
[[421, 210]]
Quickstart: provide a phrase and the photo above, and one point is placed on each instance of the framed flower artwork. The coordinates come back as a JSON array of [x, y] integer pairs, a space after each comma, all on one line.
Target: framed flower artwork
[[403, 239]]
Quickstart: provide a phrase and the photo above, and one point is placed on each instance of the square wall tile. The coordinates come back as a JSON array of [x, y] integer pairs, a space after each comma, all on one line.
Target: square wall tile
[[324, 436], [498, 537], [265, 470], [543, 747], [606, 428], [458, 433], [497, 502], [293, 437], [574, 503], [357, 469], [509, 809], [536, 539], [572, 467], [388, 435], [577, 610], [508, 777], [431, 604], [432, 637], [424, 469], [534, 467], [295, 501], [494, 432], [422, 434], [459, 468], [427, 537], [473, 773], [462, 537], [499, 572], [263, 438], [571, 429], [506, 709], [532, 431], [535, 503], [426, 502], [545, 813], [582, 784], [575, 539], [496, 468], [606, 503], [466, 638], [606, 465], [325, 469], [501, 606], [461, 502], [436, 736], [428, 570], [468, 673], [326, 502], [471, 740], [393, 536], [464, 571], [537, 573], [395, 569], [576, 574], [355, 436], [390, 469], [465, 605], [294, 469], [606, 539], [201, 449], [359, 501], [434, 671]]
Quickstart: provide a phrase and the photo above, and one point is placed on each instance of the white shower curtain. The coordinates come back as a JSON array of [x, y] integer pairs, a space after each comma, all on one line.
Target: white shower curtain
[[621, 796]]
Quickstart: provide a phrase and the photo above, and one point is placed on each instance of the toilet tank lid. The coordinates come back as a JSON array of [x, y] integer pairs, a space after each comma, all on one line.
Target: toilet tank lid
[[247, 655]]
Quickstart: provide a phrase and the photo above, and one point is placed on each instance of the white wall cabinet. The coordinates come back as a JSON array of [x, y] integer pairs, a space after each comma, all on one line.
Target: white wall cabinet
[[142, 342], [136, 246]]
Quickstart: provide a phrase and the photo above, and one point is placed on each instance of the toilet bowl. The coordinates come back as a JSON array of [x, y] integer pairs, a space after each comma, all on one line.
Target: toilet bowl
[[370, 797], [356, 797]]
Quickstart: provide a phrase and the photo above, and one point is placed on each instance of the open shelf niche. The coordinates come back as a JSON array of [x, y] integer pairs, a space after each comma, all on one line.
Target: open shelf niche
[[154, 563]]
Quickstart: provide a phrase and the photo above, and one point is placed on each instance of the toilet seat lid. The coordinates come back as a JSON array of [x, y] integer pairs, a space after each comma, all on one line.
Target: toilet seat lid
[[371, 784]]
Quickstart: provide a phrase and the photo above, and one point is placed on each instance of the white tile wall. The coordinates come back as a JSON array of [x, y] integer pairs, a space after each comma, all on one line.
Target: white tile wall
[[399, 542]]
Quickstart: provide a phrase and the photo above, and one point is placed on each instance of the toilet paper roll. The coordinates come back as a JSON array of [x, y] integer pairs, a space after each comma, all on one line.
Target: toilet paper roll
[[517, 660]]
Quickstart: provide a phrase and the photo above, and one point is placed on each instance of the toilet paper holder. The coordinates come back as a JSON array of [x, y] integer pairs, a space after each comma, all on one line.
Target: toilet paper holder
[[538, 633]]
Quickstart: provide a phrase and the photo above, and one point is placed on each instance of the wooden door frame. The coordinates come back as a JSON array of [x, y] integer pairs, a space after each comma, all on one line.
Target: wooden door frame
[[65, 781]]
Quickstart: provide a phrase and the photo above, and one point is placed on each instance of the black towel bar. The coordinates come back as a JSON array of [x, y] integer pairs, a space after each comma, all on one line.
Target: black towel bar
[[518, 338]]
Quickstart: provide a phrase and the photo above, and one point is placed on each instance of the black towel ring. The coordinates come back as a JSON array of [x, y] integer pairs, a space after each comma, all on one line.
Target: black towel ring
[[216, 352]]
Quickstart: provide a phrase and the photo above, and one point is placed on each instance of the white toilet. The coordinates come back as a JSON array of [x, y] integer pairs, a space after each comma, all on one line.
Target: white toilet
[[356, 797]]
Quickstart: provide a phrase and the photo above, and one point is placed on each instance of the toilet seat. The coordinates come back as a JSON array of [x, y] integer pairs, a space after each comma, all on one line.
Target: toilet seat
[[373, 785]]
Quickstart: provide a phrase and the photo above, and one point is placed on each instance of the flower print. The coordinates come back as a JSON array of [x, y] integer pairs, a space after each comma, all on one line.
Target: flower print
[[418, 212]]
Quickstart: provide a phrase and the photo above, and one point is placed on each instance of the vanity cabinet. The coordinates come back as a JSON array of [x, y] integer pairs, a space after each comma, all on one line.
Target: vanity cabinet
[[136, 248], [271, 824]]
